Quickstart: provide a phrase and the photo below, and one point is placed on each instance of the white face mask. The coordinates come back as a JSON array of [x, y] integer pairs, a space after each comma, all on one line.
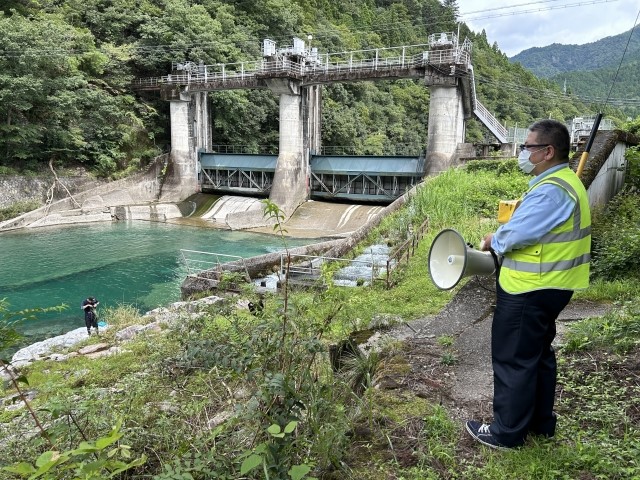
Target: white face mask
[[523, 160], [524, 163]]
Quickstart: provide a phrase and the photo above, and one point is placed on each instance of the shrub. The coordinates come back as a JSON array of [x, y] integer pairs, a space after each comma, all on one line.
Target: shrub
[[616, 239], [632, 178], [18, 209]]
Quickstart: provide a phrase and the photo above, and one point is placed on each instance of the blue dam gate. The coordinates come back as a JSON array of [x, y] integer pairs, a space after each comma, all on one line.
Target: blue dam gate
[[333, 177]]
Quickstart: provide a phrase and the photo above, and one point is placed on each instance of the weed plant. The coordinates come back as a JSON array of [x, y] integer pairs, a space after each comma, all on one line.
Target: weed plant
[[18, 209], [616, 239]]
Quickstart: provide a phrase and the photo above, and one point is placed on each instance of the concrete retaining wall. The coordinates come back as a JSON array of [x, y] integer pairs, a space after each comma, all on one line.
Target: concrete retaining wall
[[259, 265], [160, 212], [95, 204], [604, 171], [15, 188]]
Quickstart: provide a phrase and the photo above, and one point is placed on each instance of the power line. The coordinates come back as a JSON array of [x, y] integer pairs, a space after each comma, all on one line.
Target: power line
[[536, 10], [549, 93], [622, 59], [508, 6], [326, 33]]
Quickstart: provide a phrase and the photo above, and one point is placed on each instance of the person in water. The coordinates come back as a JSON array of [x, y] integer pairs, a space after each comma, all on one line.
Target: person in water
[[90, 318]]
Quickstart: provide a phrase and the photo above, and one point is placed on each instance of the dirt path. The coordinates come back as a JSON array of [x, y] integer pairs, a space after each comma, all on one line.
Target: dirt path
[[460, 375]]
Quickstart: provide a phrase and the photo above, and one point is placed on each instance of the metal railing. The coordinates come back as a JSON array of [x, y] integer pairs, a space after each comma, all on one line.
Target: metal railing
[[214, 264], [342, 62], [308, 269], [399, 149], [246, 149], [405, 250], [491, 122], [279, 67], [486, 117], [448, 57]]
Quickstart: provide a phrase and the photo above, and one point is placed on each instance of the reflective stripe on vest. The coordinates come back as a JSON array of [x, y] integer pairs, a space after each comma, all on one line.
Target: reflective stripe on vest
[[577, 232], [561, 259]]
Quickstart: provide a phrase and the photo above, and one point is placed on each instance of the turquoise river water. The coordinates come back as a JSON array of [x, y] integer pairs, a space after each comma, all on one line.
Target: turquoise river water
[[136, 263]]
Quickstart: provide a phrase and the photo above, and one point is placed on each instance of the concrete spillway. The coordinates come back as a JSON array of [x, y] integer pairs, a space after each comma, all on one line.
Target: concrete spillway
[[325, 219], [311, 219], [229, 204]]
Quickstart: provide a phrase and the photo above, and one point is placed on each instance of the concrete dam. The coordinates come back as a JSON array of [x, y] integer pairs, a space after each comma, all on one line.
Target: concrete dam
[[299, 171]]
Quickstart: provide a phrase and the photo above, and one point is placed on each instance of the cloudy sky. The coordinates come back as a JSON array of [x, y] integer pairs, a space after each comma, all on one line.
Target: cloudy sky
[[520, 24]]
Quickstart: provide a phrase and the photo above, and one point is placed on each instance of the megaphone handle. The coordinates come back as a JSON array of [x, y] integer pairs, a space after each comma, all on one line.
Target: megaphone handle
[[496, 260]]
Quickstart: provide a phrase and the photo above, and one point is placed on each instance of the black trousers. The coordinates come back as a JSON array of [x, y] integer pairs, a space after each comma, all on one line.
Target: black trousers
[[524, 363], [91, 320]]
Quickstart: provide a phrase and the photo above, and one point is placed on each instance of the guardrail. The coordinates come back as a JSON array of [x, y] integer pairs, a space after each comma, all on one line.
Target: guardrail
[[308, 269], [342, 62], [400, 149], [405, 250], [246, 149], [197, 262], [491, 122]]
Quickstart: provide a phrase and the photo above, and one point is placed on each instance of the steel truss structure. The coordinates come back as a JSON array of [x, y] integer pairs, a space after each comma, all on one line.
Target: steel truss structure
[[236, 180], [363, 186]]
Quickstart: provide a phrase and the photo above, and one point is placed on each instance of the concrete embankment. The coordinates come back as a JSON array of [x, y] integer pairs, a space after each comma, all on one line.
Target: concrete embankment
[[132, 198], [324, 219]]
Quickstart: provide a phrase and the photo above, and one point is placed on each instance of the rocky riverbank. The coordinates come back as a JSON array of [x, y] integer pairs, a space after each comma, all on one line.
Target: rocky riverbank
[[60, 348]]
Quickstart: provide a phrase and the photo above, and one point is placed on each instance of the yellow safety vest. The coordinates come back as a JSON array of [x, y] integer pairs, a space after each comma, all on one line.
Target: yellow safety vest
[[561, 259]]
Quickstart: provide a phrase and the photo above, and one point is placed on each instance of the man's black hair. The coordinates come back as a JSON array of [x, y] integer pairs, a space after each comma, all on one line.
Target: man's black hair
[[554, 133]]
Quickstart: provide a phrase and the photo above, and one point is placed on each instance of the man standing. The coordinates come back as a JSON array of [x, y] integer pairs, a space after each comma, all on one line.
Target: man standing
[[90, 318], [546, 248]]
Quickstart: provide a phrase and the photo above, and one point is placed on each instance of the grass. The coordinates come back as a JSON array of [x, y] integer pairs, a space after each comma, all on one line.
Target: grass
[[18, 209], [171, 388]]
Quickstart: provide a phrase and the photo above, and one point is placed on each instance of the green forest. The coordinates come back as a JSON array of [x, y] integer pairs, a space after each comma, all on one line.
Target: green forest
[[66, 69]]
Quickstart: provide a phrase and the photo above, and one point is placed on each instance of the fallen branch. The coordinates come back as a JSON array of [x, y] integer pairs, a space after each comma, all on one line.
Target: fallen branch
[[58, 182]]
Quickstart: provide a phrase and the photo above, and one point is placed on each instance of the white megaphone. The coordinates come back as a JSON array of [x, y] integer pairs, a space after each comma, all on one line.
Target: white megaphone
[[450, 259]]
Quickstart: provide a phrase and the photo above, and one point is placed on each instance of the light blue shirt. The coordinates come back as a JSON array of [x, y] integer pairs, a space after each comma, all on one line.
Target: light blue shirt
[[541, 210]]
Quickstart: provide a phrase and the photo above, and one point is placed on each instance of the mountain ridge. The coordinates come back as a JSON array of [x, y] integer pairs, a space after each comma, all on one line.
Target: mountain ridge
[[606, 69], [557, 58]]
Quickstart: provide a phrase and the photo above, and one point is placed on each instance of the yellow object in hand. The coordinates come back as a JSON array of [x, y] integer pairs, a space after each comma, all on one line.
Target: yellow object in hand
[[506, 209]]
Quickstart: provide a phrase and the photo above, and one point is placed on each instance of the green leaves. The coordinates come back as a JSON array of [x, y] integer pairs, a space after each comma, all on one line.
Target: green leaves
[[249, 463], [616, 241], [89, 461], [9, 336], [276, 431], [273, 212], [265, 454], [57, 99], [298, 472]]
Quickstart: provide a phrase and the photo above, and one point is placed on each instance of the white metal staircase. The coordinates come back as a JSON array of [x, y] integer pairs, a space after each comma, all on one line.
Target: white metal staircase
[[484, 115]]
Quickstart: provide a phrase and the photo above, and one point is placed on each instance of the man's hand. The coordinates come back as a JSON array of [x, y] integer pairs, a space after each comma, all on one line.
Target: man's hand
[[485, 244]]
